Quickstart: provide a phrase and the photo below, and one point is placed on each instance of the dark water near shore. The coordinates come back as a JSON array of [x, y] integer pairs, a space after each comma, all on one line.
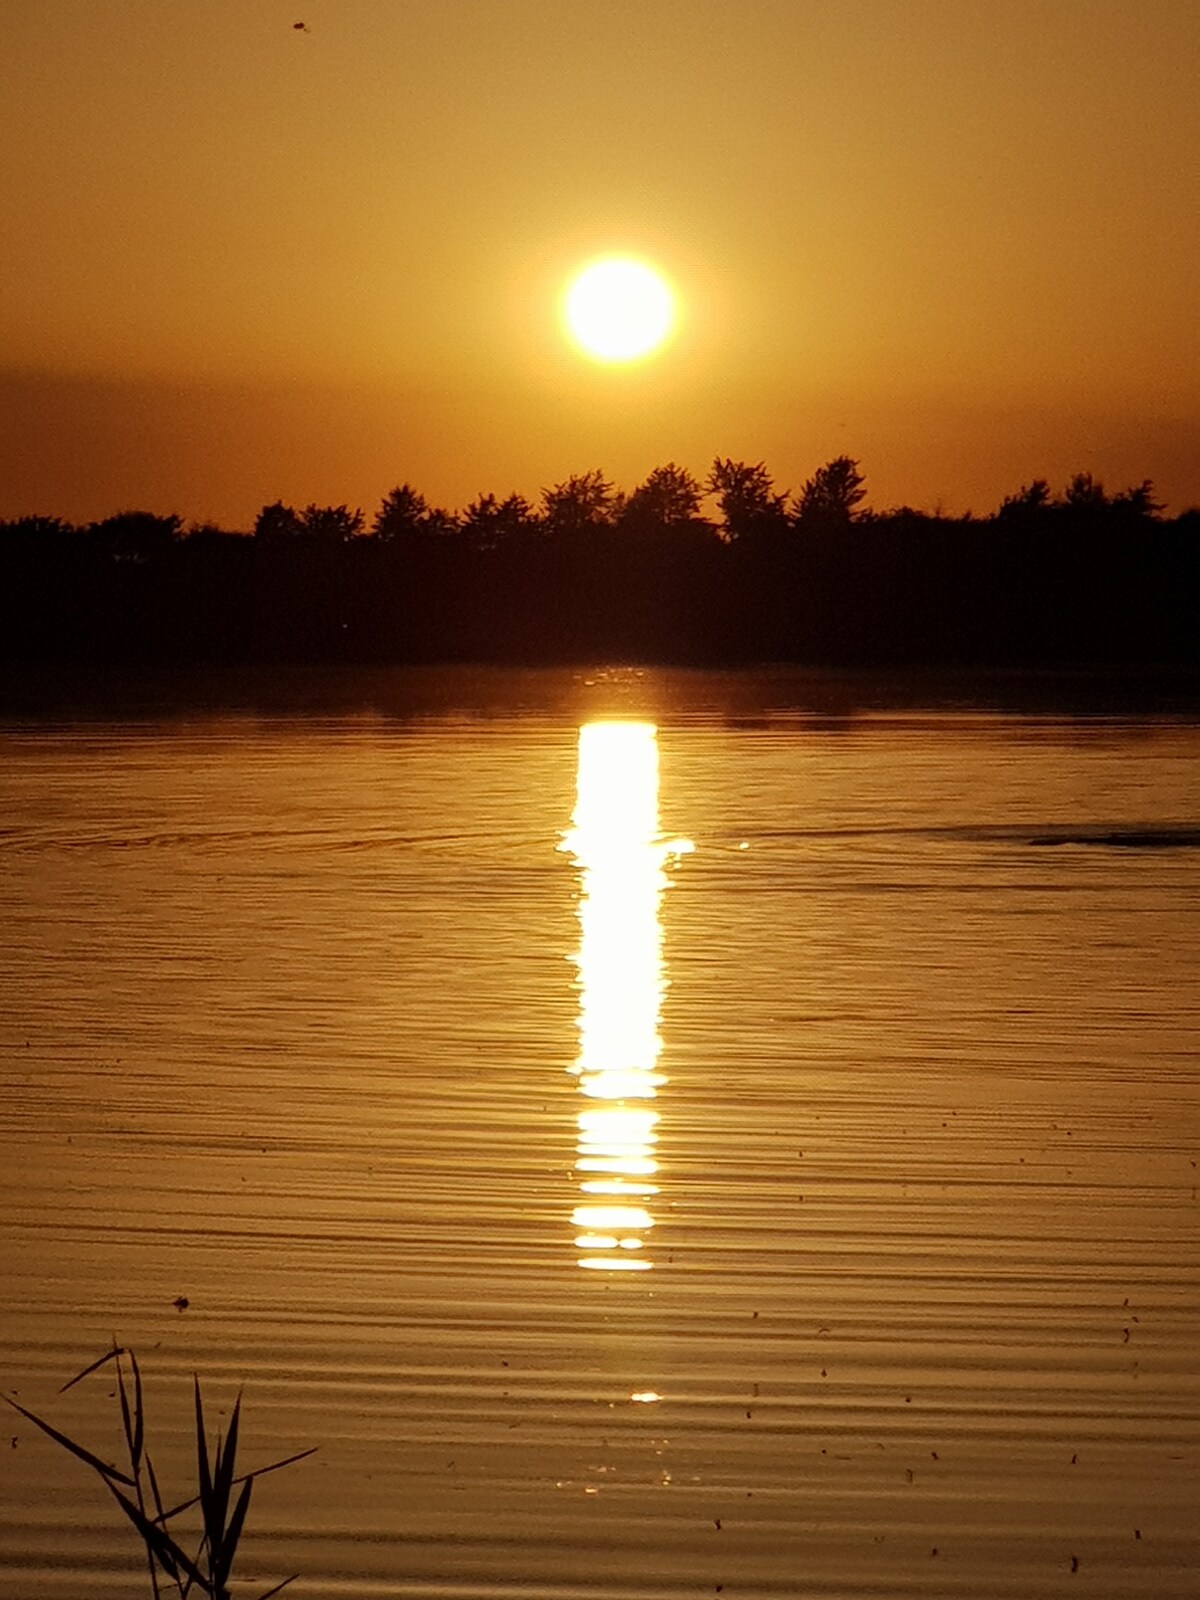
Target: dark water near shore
[[851, 1043]]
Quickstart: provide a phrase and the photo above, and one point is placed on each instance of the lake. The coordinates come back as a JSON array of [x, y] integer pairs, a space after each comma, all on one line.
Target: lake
[[656, 1134]]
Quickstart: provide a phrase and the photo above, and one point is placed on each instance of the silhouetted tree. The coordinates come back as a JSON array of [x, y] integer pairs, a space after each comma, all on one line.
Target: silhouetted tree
[[1085, 493], [669, 498], [277, 522], [401, 513], [490, 524], [829, 497], [135, 535], [36, 529], [1029, 499], [330, 524], [1138, 501], [404, 513], [750, 506], [580, 503]]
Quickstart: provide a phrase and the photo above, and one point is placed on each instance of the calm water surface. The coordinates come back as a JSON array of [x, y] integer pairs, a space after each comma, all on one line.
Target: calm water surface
[[854, 1060]]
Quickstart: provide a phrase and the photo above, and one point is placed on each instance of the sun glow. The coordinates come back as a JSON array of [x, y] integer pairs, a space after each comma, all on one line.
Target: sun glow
[[618, 308]]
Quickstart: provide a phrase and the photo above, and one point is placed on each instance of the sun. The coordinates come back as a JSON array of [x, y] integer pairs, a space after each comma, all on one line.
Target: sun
[[618, 309]]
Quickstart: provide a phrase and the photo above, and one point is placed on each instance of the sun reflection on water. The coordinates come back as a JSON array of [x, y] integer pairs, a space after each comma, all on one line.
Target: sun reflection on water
[[615, 842]]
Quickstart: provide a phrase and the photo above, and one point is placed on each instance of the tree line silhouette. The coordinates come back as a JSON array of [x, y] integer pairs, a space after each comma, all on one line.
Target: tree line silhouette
[[591, 572]]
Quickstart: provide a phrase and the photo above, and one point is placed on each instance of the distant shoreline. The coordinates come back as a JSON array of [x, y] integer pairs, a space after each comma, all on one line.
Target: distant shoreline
[[1048, 583], [36, 692]]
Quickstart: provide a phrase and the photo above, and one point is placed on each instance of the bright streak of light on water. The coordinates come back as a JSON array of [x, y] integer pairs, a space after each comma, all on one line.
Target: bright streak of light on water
[[615, 842]]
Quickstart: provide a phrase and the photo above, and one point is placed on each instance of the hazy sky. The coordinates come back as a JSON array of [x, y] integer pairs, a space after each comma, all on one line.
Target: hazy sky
[[957, 239]]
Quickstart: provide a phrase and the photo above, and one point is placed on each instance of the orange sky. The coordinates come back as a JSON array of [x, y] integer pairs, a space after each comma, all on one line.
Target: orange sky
[[958, 241]]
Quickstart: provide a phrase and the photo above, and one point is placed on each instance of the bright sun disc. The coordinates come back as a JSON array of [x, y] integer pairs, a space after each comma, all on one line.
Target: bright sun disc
[[618, 308]]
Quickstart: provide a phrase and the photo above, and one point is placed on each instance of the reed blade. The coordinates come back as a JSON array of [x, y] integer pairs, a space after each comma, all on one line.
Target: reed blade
[[126, 1417], [171, 1557], [259, 1472], [223, 1472], [139, 1414], [221, 1568], [203, 1475], [159, 1515], [106, 1470], [94, 1366], [279, 1587]]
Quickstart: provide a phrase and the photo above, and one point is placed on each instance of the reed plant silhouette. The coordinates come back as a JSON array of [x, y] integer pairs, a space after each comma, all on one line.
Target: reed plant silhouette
[[136, 1491]]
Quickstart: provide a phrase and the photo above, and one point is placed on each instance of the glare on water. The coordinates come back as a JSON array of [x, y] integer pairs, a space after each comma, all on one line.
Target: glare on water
[[615, 841]]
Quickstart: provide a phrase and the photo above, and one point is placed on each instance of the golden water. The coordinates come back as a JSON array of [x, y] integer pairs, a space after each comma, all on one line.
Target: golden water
[[364, 1034]]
